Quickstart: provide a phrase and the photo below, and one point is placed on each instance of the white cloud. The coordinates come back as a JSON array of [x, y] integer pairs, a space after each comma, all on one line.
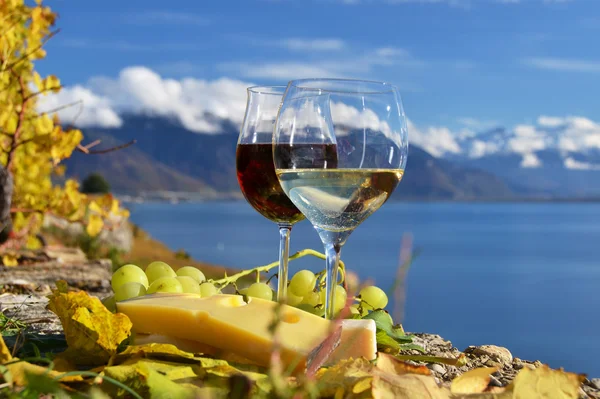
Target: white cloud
[[436, 140], [298, 44], [166, 17], [563, 64], [281, 70], [330, 65], [139, 89], [476, 124], [81, 107], [530, 160], [571, 163], [481, 148]]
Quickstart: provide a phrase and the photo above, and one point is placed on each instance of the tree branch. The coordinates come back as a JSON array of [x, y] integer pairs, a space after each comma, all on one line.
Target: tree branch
[[11, 153], [116, 148]]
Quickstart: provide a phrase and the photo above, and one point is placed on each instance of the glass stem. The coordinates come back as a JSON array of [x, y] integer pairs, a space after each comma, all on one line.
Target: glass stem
[[284, 253], [332, 253]]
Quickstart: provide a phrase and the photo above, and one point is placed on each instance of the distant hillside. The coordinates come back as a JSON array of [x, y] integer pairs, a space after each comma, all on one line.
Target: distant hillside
[[432, 178], [131, 170], [170, 157]]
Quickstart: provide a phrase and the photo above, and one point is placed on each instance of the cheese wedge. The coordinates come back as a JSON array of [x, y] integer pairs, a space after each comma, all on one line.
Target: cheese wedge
[[358, 339], [228, 323]]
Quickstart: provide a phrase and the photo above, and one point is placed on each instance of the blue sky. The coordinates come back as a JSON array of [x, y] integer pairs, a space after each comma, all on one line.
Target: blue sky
[[458, 63]]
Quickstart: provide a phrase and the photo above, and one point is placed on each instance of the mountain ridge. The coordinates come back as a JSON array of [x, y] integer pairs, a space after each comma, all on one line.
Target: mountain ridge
[[169, 157]]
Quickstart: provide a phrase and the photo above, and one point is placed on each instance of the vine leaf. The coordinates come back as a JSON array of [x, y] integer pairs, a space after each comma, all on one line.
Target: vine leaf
[[92, 332]]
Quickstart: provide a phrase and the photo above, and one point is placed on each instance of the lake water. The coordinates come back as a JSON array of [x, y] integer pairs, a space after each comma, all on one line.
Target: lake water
[[523, 276]]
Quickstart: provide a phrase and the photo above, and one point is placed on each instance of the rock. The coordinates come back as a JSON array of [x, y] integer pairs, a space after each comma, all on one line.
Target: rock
[[495, 353], [118, 236], [595, 382], [438, 368], [495, 382]]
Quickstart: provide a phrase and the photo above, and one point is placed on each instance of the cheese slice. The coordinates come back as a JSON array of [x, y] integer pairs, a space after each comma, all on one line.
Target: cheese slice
[[358, 339], [228, 323], [227, 327]]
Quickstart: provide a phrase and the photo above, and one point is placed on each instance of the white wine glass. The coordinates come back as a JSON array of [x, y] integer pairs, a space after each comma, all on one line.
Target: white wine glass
[[340, 148]]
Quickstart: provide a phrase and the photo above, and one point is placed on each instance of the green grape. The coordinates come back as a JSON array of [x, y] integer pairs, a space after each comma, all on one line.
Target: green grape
[[243, 291], [302, 283], [128, 274], [293, 300], [208, 289], [128, 291], [373, 298], [260, 290], [189, 285], [165, 284], [192, 272], [110, 303], [313, 299], [317, 311], [156, 270], [339, 298]]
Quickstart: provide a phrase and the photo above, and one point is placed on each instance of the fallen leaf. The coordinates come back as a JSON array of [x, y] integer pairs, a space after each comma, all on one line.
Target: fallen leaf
[[145, 377], [20, 370], [543, 382], [155, 351], [92, 332], [473, 381], [343, 376], [10, 260], [406, 386], [5, 355], [389, 364]]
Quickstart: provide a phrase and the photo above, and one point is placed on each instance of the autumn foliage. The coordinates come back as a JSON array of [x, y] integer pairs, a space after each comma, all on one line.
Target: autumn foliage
[[32, 141]]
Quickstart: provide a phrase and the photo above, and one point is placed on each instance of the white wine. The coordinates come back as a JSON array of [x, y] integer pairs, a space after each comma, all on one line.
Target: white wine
[[338, 200]]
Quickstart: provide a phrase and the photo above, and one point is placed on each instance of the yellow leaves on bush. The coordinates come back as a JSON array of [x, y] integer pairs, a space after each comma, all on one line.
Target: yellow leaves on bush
[[91, 331], [94, 226], [33, 144]]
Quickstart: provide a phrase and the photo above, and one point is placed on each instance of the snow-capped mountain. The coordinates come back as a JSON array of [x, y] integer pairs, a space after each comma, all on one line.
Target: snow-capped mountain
[[554, 156]]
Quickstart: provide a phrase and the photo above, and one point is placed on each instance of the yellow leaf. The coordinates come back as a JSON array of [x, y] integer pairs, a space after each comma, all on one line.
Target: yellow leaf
[[94, 207], [92, 332], [94, 225], [343, 376], [407, 386], [389, 364], [5, 355], [141, 376], [162, 351], [545, 383], [52, 83], [10, 260], [473, 381]]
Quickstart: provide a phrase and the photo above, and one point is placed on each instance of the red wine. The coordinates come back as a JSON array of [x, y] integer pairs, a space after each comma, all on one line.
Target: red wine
[[258, 181]]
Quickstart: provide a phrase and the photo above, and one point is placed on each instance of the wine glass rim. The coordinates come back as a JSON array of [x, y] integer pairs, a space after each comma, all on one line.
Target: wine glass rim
[[268, 89], [385, 86]]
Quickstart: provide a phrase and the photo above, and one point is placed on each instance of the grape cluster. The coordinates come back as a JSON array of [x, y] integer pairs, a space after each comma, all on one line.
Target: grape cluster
[[131, 281], [306, 290]]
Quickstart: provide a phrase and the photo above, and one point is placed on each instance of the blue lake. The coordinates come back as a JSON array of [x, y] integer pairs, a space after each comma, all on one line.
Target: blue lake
[[523, 276]]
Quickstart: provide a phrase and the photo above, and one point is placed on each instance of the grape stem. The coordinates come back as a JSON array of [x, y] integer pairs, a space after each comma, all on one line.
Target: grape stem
[[265, 268]]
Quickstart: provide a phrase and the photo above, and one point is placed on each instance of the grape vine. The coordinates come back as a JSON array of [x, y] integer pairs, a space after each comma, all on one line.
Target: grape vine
[[33, 143]]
